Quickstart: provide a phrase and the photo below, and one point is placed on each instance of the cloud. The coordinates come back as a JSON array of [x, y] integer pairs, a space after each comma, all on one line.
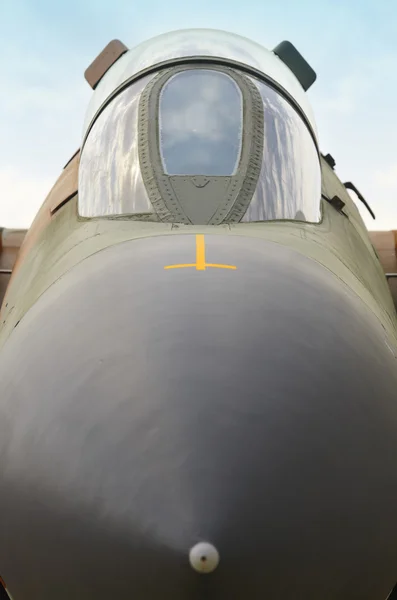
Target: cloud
[[21, 197]]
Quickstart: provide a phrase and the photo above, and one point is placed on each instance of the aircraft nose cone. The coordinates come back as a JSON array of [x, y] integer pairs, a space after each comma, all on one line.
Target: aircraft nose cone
[[147, 410]]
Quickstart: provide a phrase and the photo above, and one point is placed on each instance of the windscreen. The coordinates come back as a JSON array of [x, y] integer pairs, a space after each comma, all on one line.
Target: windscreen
[[259, 163], [110, 180], [289, 185], [200, 121]]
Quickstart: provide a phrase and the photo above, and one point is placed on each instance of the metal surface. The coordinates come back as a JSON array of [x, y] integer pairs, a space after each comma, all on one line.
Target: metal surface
[[350, 186], [173, 407], [109, 55], [340, 244], [295, 61]]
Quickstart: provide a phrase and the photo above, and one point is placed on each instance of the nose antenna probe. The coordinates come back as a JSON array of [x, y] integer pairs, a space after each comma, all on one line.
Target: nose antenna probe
[[204, 557]]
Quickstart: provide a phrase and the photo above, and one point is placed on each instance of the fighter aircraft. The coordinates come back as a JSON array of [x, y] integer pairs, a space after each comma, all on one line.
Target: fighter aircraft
[[198, 347]]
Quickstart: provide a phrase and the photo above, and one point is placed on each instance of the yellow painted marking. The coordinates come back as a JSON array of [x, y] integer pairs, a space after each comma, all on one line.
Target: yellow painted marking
[[200, 263], [179, 266], [220, 266], [200, 253]]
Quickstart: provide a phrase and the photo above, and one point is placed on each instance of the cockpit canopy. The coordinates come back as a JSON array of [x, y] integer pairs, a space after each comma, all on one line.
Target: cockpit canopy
[[200, 141]]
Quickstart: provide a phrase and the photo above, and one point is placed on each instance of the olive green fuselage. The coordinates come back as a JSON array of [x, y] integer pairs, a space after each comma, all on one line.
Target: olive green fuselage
[[340, 242]]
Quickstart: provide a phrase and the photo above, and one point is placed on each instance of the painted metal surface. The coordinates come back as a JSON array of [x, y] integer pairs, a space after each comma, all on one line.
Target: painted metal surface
[[144, 410], [109, 55], [341, 245]]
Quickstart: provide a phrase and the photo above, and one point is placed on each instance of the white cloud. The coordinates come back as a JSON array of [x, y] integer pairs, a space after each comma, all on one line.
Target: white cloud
[[21, 197]]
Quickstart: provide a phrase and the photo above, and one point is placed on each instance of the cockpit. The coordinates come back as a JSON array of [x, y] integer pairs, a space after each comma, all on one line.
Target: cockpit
[[200, 127]]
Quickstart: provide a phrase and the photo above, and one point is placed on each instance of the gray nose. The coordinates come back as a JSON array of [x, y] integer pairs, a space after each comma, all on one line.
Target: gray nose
[[146, 409]]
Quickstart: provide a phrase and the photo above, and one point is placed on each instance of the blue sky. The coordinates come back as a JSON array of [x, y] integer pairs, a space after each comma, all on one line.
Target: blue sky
[[45, 46]]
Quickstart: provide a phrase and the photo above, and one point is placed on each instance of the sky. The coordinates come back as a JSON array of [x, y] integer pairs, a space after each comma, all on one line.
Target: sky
[[46, 45]]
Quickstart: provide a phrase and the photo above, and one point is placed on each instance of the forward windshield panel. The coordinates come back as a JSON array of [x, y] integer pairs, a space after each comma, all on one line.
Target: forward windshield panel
[[201, 127], [200, 124], [289, 185], [110, 180]]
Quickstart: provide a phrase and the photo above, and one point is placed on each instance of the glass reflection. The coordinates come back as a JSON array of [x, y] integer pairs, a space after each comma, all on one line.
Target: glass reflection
[[200, 120], [110, 180], [200, 124], [197, 42], [289, 185]]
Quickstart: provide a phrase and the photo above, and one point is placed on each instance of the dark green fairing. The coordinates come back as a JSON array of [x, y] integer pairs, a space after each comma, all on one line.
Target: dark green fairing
[[339, 243]]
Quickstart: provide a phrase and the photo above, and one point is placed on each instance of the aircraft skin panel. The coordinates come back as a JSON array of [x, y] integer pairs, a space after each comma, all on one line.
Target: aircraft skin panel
[[152, 408], [60, 241]]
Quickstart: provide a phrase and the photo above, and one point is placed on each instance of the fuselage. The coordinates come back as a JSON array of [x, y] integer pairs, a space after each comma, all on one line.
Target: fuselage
[[167, 382]]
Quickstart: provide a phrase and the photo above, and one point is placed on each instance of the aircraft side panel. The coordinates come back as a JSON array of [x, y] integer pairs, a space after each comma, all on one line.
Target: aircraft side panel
[[67, 242], [60, 240], [332, 186], [380, 244]]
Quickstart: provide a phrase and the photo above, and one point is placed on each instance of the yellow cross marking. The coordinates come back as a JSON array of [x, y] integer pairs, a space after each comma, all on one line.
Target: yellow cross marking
[[200, 263]]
